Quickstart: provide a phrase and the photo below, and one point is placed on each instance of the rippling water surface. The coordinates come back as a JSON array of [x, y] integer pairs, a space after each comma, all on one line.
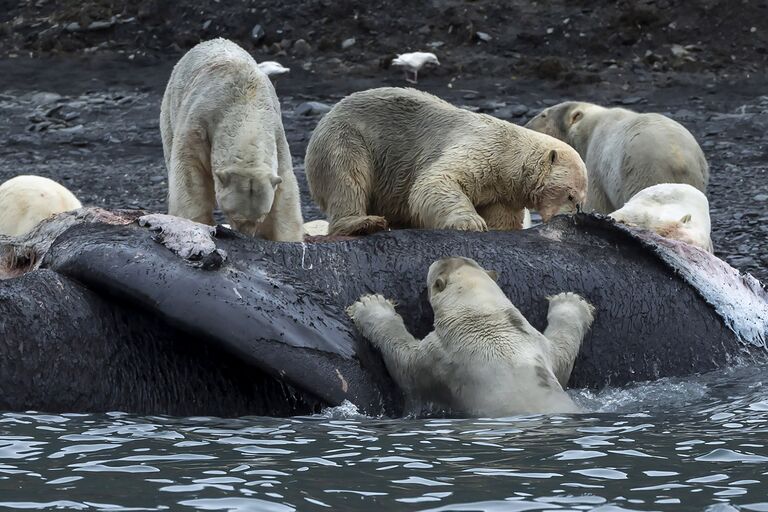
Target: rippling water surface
[[686, 444]]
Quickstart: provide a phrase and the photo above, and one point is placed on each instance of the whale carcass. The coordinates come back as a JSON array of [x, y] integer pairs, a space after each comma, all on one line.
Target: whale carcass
[[154, 314]]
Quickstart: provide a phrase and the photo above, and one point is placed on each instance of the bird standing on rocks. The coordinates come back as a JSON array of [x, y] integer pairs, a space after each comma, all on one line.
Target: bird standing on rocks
[[413, 62]]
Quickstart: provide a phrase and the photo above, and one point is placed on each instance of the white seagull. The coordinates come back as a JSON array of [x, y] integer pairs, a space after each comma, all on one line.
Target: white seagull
[[414, 62], [270, 68]]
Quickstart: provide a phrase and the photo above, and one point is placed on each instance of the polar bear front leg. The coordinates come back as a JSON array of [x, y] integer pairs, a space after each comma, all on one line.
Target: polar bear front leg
[[191, 192], [568, 320], [377, 320], [502, 216], [437, 201]]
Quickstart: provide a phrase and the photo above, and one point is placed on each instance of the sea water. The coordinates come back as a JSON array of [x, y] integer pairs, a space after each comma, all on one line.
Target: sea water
[[698, 443]]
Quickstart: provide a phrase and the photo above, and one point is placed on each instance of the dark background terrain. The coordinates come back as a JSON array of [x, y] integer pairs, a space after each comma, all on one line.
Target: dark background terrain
[[81, 82]]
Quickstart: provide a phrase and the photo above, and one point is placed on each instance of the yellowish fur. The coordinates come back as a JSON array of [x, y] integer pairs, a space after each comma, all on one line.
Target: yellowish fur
[[483, 358], [404, 158]]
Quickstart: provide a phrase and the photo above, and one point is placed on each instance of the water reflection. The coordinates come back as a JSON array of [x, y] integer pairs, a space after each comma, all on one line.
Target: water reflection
[[697, 442]]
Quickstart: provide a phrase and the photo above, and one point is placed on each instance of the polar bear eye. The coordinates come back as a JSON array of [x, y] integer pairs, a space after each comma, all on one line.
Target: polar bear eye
[[570, 197]]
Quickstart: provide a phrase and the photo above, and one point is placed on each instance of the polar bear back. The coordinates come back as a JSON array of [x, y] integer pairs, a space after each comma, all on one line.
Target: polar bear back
[[645, 150], [209, 80], [385, 140], [25, 201], [400, 132]]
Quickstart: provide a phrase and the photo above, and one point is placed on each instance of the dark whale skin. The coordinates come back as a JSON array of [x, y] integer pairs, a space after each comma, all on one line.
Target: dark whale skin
[[63, 348], [277, 309]]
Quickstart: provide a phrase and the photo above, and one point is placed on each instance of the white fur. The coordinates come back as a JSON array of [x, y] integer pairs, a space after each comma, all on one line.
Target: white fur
[[405, 158], [625, 151], [673, 210], [224, 142], [483, 358], [25, 201], [316, 228]]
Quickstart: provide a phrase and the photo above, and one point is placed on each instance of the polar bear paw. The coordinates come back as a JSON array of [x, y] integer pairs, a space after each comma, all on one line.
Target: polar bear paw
[[466, 222], [370, 307], [573, 301]]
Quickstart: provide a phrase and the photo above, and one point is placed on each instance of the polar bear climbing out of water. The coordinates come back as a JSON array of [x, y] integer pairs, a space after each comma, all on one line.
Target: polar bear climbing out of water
[[224, 142], [25, 201], [625, 152], [672, 210], [483, 358], [404, 158]]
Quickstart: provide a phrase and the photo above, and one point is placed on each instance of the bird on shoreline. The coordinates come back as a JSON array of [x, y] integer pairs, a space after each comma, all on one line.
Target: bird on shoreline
[[273, 68], [413, 62]]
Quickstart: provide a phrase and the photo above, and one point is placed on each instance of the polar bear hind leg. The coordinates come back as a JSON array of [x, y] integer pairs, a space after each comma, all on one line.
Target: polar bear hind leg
[[348, 199]]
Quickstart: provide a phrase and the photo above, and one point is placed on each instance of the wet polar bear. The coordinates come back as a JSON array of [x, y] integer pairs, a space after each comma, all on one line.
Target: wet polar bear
[[625, 152], [672, 210], [483, 358], [404, 158], [224, 142], [26, 200]]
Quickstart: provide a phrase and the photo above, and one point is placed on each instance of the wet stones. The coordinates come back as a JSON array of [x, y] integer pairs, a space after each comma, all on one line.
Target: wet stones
[[312, 108]]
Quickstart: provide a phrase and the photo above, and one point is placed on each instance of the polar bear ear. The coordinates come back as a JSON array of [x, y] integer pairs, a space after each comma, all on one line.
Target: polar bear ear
[[552, 156], [576, 116], [276, 180], [440, 284], [492, 274]]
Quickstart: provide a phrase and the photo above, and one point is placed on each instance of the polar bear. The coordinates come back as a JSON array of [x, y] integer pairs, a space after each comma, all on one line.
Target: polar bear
[[224, 142], [625, 152], [483, 358], [404, 158], [673, 210], [26, 200]]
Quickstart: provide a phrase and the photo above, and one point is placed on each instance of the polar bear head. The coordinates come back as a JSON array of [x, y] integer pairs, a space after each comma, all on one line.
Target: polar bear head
[[245, 197], [561, 121], [672, 210], [558, 180], [459, 283]]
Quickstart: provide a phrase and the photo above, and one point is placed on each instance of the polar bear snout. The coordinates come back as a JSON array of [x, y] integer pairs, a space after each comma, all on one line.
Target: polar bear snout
[[565, 190], [246, 198]]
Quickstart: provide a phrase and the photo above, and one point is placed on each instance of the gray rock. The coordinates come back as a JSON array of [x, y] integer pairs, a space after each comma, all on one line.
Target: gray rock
[[348, 43], [101, 25], [312, 108], [301, 48], [632, 100], [45, 98], [72, 27], [484, 37], [761, 197], [257, 33], [72, 130], [490, 105], [519, 110], [53, 110], [207, 24]]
